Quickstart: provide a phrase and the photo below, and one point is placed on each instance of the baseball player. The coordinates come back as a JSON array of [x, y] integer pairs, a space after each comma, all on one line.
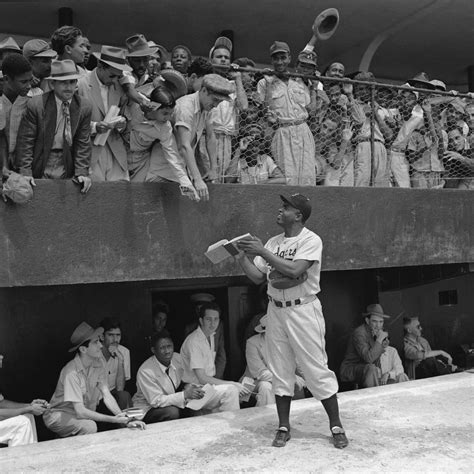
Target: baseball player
[[291, 262]]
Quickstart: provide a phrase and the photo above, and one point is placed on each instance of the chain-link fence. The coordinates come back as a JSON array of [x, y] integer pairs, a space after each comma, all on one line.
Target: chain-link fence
[[314, 130]]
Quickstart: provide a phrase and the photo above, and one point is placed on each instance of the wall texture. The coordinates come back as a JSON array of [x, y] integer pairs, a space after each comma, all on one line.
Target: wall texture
[[122, 232]]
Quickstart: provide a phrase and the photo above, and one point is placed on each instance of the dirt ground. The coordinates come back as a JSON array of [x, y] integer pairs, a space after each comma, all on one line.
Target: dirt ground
[[424, 426]]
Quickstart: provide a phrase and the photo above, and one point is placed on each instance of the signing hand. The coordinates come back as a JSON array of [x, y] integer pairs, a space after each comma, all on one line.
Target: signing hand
[[243, 391], [38, 407], [251, 246]]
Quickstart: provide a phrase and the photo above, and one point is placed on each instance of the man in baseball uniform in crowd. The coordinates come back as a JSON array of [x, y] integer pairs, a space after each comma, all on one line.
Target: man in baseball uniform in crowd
[[291, 261], [287, 100]]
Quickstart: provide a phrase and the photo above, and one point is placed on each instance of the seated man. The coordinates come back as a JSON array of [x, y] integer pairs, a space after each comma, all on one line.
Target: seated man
[[198, 353], [159, 380], [257, 368], [421, 361], [17, 425], [82, 383], [391, 367], [54, 135], [116, 359], [361, 363]]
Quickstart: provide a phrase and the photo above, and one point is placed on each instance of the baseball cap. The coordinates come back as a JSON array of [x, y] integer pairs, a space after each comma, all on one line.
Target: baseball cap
[[300, 202], [218, 85], [279, 47], [38, 48]]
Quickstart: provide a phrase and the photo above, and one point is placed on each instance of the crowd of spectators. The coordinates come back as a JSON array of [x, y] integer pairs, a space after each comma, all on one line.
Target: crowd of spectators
[[141, 114]]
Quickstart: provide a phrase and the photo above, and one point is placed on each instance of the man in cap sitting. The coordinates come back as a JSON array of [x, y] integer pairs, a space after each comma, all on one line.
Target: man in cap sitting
[[101, 87], [361, 363], [81, 385], [191, 120], [288, 99], [40, 55], [17, 423], [224, 118], [54, 135], [422, 361]]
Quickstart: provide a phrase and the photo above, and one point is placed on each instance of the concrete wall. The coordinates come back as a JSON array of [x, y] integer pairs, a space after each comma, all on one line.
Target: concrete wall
[[122, 232]]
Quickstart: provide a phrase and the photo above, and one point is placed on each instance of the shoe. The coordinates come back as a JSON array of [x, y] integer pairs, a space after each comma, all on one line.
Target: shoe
[[281, 437], [339, 437]]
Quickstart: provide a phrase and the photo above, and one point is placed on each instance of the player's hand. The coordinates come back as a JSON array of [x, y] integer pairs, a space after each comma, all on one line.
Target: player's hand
[[193, 392], [136, 425], [201, 189], [121, 419], [251, 246], [384, 379]]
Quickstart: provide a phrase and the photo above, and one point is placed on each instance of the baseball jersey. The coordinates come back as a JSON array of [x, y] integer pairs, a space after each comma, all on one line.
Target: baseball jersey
[[305, 246]]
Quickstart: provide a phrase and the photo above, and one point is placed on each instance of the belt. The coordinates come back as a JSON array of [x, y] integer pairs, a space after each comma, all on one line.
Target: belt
[[397, 150], [297, 302], [292, 122], [56, 150]]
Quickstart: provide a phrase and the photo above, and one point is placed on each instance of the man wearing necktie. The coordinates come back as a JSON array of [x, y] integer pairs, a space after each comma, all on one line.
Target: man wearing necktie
[[159, 380], [54, 135]]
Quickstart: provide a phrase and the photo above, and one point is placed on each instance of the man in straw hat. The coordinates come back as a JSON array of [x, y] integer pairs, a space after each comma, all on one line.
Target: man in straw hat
[[361, 363], [291, 262], [101, 87], [82, 384], [54, 135]]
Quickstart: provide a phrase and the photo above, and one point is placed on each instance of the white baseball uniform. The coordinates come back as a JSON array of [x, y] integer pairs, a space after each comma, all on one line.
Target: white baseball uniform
[[295, 332]]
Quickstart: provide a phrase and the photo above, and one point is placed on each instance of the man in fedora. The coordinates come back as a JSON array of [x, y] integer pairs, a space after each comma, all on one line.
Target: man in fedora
[[54, 135], [82, 384], [101, 87], [139, 54], [40, 55], [191, 121], [361, 363]]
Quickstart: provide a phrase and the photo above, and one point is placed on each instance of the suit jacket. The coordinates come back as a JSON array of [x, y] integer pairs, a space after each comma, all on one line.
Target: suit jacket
[[155, 389], [362, 349], [89, 88], [36, 135]]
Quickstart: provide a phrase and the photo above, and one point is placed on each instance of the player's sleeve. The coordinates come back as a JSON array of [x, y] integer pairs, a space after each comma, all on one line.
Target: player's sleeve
[[310, 249], [260, 262]]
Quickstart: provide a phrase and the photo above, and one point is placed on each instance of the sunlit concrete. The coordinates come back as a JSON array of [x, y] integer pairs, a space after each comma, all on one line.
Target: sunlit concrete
[[418, 426]]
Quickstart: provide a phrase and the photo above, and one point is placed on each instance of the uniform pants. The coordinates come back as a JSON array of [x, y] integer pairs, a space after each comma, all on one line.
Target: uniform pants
[[18, 430], [296, 334], [265, 394], [66, 424]]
